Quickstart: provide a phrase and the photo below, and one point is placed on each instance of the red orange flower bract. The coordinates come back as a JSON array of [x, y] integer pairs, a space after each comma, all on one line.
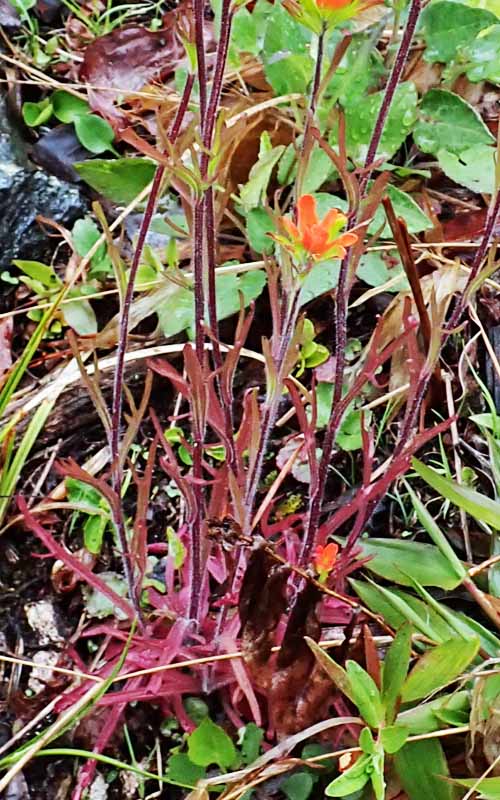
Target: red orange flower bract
[[315, 238], [324, 559]]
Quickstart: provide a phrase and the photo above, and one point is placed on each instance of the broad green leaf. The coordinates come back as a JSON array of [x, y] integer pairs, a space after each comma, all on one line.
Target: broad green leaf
[[376, 268], [437, 536], [209, 744], [120, 179], [446, 122], [449, 26], [288, 64], [399, 560], [95, 133], [35, 114], [181, 769], [99, 605], [93, 533], [39, 272], [477, 505], [421, 767], [488, 788], [365, 693], [483, 56], [80, 316], [404, 206], [352, 780], [250, 738], [320, 280], [258, 226], [361, 116], [395, 668], [393, 738], [426, 717], [85, 234], [360, 70], [349, 435], [67, 107], [253, 193], [438, 666], [196, 709], [333, 670], [474, 168], [298, 786]]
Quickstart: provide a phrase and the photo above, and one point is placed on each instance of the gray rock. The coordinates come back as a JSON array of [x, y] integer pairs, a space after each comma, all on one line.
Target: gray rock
[[26, 192]]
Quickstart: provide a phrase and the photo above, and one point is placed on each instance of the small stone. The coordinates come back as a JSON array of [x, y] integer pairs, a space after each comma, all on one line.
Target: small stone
[[41, 618]]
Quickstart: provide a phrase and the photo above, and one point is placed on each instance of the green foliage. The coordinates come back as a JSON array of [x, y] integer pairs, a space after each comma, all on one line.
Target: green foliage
[[395, 668], [446, 122], [401, 560], [482, 56], [448, 26], [473, 168], [119, 180], [421, 767], [438, 667], [209, 744], [288, 65]]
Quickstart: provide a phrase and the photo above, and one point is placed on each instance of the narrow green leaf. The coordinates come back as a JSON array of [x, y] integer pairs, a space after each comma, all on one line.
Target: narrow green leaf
[[421, 767], [366, 694], [395, 669], [426, 717], [436, 534], [438, 667], [400, 560], [477, 505], [488, 788], [332, 669]]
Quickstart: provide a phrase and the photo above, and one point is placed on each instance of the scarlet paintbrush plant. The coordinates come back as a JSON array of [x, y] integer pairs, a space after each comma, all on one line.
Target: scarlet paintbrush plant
[[312, 239]]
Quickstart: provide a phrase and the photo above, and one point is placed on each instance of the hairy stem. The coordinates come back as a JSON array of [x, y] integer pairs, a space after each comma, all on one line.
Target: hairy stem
[[390, 89], [117, 402], [342, 292]]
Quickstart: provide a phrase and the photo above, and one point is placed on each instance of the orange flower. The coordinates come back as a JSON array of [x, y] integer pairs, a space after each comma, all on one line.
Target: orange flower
[[332, 5], [324, 559], [315, 238]]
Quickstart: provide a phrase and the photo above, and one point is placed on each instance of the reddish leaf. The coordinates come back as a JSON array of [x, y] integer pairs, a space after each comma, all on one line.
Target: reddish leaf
[[125, 61], [5, 344]]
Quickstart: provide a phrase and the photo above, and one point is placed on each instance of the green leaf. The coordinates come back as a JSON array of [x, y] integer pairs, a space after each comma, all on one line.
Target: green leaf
[[399, 560], [182, 770], [437, 536], [395, 668], [258, 225], [320, 280], [253, 193], [67, 107], [288, 65], [426, 717], [449, 26], [393, 738], [250, 741], [39, 272], [334, 671], [366, 741], [366, 694], [93, 533], [209, 744], [404, 206], [176, 549], [474, 168], [376, 268], [98, 604], [120, 180], [80, 316], [361, 116], [35, 114], [95, 133], [488, 788], [352, 780], [298, 786], [446, 122], [483, 55], [477, 505], [420, 767], [439, 666]]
